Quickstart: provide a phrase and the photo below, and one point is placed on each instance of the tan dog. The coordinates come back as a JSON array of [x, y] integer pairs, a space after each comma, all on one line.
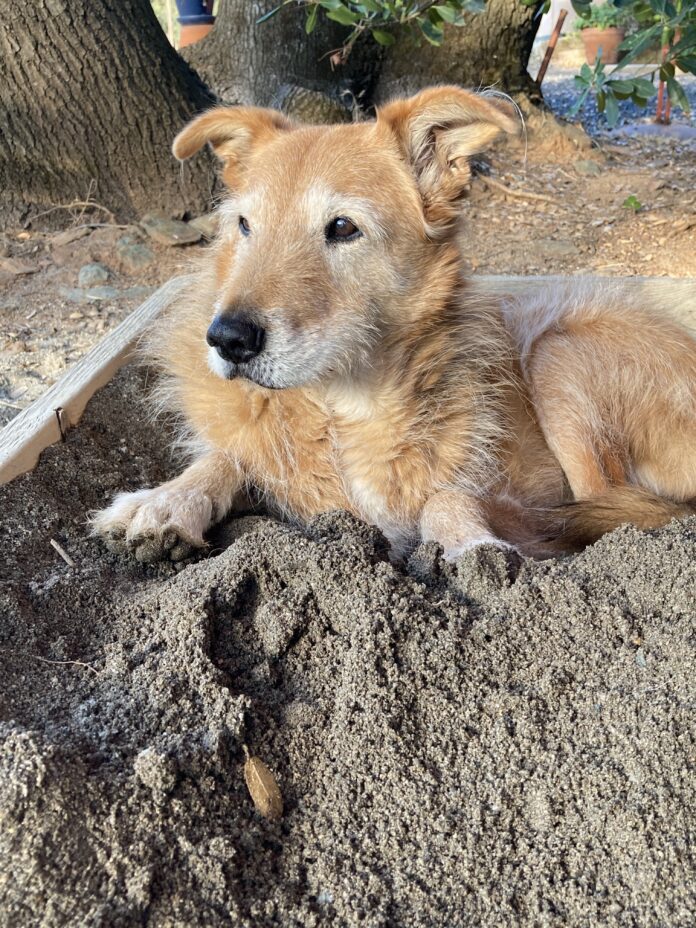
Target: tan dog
[[349, 364]]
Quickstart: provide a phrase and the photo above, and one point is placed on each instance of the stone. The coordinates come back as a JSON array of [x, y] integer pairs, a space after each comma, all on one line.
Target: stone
[[587, 168], [556, 248], [14, 267], [207, 225], [170, 231], [94, 294], [134, 257], [92, 275], [69, 235]]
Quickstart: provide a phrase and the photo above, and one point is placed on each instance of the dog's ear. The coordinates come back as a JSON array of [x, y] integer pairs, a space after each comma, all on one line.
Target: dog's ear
[[232, 132], [437, 131]]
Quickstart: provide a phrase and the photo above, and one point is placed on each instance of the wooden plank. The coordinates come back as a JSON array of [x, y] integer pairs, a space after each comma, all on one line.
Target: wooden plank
[[36, 427]]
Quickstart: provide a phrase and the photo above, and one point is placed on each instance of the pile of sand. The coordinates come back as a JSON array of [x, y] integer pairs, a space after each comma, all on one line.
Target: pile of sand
[[486, 743]]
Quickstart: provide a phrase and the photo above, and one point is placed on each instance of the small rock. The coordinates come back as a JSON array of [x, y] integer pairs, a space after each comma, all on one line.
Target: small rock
[[556, 248], [587, 168], [207, 225], [170, 231], [91, 275], [16, 268], [70, 235], [102, 293], [141, 293], [94, 294], [133, 256]]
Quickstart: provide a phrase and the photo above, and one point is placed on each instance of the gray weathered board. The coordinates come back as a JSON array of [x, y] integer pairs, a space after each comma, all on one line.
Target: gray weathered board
[[37, 427]]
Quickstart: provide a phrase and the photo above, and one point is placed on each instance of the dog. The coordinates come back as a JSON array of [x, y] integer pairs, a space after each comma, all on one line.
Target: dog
[[331, 354]]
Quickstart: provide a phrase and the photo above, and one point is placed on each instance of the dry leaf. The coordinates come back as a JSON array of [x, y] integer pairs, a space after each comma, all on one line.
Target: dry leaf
[[263, 788]]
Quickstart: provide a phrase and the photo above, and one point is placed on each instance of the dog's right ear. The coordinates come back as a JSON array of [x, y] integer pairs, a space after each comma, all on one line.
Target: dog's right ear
[[232, 132]]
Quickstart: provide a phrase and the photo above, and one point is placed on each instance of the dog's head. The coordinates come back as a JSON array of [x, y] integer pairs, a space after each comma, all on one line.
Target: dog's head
[[326, 232]]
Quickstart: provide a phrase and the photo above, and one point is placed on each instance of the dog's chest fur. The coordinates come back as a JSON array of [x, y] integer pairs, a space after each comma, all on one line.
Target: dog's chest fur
[[424, 426]]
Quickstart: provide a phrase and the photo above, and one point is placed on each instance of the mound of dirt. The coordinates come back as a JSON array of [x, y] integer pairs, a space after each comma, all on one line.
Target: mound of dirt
[[484, 743]]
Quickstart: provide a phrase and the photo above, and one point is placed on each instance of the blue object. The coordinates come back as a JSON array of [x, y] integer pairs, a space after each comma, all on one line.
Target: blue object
[[193, 13]]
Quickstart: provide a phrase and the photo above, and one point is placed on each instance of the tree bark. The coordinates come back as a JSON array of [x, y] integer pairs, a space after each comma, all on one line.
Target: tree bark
[[254, 64], [491, 50], [91, 96]]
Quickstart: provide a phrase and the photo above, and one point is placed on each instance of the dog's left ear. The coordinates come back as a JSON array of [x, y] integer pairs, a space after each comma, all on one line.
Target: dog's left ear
[[438, 130]]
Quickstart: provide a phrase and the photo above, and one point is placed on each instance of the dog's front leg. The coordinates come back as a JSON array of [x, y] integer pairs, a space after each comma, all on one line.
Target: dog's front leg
[[457, 521], [170, 520]]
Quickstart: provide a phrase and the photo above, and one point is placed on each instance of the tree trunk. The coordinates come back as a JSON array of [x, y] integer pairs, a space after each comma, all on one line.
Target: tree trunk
[[256, 65], [91, 96], [491, 50]]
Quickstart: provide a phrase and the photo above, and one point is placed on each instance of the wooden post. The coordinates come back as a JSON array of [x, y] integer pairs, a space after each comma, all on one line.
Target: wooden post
[[551, 46]]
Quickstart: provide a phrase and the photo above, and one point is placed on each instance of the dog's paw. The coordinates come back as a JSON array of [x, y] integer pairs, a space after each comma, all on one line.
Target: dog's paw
[[164, 522]]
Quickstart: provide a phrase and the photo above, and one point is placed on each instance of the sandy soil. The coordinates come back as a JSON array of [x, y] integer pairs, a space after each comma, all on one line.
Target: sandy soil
[[485, 743]]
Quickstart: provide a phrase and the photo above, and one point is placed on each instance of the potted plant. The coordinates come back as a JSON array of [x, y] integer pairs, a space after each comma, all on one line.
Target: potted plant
[[603, 29], [196, 19]]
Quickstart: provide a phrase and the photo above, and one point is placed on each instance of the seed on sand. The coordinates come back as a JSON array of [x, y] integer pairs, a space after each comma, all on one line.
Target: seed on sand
[[263, 788]]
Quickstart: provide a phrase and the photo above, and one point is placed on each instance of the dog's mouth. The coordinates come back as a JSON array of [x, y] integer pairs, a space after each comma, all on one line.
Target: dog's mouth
[[256, 371]]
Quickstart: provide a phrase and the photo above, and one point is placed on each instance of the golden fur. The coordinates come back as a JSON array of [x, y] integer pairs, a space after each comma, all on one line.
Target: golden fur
[[389, 385]]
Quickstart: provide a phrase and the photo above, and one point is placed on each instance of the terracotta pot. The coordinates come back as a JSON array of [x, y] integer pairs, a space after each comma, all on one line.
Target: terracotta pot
[[193, 32], [606, 39], [196, 20]]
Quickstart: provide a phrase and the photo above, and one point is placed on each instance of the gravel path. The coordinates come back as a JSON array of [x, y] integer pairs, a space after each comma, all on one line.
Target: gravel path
[[561, 93]]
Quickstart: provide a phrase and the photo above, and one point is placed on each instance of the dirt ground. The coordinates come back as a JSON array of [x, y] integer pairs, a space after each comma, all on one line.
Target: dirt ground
[[484, 743]]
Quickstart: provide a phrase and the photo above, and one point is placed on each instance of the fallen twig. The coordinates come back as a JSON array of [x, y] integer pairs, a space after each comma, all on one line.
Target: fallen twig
[[63, 553], [517, 194], [76, 204], [47, 660]]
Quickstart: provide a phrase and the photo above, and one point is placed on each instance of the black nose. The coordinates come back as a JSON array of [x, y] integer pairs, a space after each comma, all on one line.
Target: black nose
[[236, 337]]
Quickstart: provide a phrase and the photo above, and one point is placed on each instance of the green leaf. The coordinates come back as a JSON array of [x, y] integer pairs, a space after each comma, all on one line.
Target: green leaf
[[632, 202], [666, 71], [432, 33], [582, 8], [446, 13], [643, 87], [267, 16], [619, 86], [677, 95], [311, 20], [343, 16], [687, 63], [384, 38], [612, 110]]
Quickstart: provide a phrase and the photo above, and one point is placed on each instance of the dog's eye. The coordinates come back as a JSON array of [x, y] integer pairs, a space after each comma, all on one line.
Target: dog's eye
[[341, 229], [244, 226]]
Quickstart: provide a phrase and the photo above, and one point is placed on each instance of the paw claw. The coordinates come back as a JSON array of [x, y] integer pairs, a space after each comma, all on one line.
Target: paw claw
[[181, 551]]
